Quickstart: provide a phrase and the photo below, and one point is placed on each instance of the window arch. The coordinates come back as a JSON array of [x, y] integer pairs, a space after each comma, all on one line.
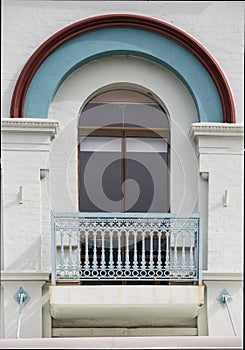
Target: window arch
[[124, 154], [211, 90]]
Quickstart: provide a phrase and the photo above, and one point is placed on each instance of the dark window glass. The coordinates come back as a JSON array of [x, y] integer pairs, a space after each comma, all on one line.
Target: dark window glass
[[124, 154]]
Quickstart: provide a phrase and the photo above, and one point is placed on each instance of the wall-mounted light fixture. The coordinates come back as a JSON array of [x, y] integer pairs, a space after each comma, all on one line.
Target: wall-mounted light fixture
[[43, 173], [204, 175], [224, 298], [21, 195], [22, 298], [225, 198]]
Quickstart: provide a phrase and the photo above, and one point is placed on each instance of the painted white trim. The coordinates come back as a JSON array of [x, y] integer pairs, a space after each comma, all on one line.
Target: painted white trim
[[222, 276], [24, 276], [29, 125], [184, 342], [216, 129]]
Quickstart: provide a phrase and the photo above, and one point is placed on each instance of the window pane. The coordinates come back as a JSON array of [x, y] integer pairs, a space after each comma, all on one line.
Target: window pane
[[143, 144], [145, 115], [102, 114], [100, 174], [146, 175], [100, 144], [124, 114]]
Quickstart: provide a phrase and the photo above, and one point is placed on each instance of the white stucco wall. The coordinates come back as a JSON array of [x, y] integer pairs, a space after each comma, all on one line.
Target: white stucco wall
[[25, 151], [219, 26], [221, 157]]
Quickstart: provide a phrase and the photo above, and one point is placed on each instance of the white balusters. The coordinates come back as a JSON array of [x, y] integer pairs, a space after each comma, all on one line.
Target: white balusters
[[135, 262], [191, 262], [111, 264], [143, 262], [151, 263], [86, 264], [125, 248], [183, 251], [175, 263], [159, 252], [119, 256], [62, 253], [167, 260], [102, 264], [95, 263], [70, 263], [127, 262], [78, 260]]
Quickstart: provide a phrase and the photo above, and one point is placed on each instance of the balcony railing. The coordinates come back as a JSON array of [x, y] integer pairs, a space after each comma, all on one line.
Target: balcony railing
[[126, 247]]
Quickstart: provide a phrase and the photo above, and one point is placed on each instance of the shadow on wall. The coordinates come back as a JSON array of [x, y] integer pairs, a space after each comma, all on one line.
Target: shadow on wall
[[29, 259]]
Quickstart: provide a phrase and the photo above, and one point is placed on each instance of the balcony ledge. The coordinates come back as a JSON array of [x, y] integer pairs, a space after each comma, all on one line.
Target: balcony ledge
[[126, 302]]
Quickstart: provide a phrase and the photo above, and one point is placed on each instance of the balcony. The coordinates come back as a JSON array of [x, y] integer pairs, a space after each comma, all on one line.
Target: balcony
[[136, 247], [125, 270]]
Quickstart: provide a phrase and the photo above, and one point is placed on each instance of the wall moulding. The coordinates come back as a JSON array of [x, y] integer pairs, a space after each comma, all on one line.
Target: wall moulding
[[10, 275], [216, 129], [30, 126]]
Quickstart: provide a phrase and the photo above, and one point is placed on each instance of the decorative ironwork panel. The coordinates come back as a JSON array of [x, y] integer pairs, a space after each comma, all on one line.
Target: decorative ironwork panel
[[99, 246]]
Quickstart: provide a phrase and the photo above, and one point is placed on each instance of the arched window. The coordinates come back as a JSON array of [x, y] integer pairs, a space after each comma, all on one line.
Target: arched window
[[123, 154]]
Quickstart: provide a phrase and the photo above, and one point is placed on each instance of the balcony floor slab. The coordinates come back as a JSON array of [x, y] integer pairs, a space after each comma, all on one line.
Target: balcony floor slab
[[126, 302]]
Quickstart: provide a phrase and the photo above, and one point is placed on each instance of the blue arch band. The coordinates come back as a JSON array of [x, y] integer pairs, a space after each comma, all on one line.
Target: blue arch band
[[123, 41]]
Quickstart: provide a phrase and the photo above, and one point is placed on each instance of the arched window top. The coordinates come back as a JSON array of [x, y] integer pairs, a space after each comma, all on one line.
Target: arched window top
[[123, 95], [123, 108]]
